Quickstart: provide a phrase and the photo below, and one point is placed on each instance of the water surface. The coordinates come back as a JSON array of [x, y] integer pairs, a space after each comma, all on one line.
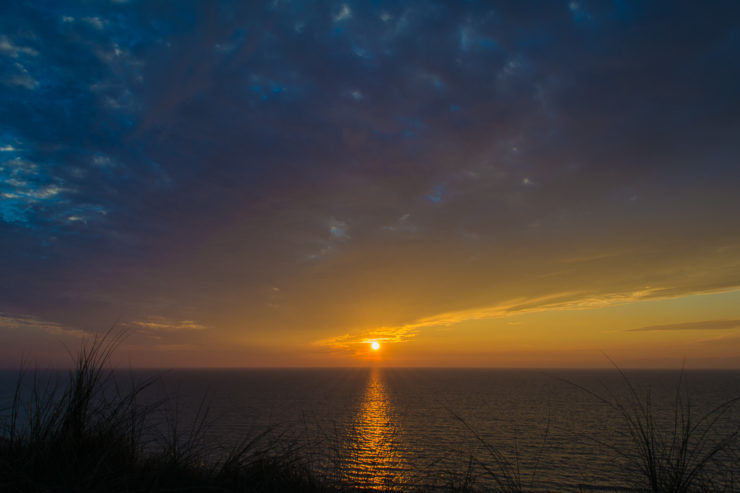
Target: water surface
[[384, 428]]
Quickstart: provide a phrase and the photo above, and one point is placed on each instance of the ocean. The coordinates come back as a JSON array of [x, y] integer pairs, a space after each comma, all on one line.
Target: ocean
[[402, 428]]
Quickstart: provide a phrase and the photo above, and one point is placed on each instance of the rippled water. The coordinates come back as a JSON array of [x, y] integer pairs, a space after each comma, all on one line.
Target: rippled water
[[434, 427]]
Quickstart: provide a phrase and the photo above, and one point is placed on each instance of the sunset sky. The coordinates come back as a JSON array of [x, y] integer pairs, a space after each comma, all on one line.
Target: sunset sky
[[494, 184]]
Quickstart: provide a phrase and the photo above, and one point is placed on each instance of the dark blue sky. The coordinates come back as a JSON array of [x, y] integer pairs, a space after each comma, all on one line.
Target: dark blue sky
[[254, 167]]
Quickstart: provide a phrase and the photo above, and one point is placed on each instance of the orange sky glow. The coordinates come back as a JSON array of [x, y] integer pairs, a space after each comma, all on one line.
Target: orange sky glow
[[467, 184]]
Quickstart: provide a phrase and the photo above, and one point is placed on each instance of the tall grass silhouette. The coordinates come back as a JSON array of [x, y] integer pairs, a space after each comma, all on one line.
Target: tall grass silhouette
[[504, 471], [89, 435], [76, 435], [674, 449]]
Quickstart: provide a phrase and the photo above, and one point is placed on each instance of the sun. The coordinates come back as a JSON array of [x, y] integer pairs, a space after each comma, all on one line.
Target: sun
[[375, 345]]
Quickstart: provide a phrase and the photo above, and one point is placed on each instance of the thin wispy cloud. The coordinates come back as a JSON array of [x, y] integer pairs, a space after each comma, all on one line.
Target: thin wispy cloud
[[26, 324], [383, 335], [161, 324], [700, 325], [555, 302], [728, 340]]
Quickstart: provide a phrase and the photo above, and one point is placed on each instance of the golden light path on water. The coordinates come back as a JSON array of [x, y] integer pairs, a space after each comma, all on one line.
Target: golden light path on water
[[376, 457]]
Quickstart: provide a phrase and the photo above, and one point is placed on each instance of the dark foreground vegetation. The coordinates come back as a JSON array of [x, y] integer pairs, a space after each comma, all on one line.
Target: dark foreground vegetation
[[91, 435]]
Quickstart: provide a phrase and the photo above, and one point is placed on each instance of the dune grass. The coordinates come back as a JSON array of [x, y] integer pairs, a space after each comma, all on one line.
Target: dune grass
[[88, 434], [673, 450], [503, 471]]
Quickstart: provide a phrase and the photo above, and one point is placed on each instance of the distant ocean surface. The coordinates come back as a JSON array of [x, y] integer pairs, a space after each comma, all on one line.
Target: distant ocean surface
[[431, 427]]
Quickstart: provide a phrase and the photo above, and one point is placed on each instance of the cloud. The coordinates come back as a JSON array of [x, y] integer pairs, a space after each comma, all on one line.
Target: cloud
[[8, 48], [558, 301], [25, 189], [554, 302], [722, 341], [218, 169], [21, 78], [701, 325], [344, 13], [161, 324], [95, 22], [407, 332], [385, 335], [31, 323], [338, 230]]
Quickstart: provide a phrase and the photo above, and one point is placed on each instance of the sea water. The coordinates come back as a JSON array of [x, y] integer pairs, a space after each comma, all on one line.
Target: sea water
[[386, 428]]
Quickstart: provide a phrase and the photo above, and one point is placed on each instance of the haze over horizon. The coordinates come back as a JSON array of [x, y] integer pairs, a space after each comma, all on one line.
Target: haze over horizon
[[493, 184]]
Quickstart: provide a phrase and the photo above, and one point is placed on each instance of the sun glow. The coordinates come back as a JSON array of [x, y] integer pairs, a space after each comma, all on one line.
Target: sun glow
[[375, 345]]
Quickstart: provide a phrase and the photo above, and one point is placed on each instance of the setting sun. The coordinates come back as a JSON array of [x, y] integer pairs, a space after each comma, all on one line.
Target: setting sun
[[375, 345]]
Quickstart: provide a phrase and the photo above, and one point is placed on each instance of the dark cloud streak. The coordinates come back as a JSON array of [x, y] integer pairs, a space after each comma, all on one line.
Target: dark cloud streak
[[702, 325]]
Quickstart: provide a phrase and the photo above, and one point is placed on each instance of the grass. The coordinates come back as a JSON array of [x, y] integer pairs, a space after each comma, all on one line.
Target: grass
[[673, 450], [91, 435], [503, 471]]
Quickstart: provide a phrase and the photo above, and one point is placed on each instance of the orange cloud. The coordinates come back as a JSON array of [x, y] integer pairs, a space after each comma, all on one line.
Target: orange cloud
[[700, 325], [560, 301]]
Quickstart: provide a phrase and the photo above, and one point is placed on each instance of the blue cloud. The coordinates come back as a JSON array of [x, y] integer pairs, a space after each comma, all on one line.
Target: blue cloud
[[131, 129]]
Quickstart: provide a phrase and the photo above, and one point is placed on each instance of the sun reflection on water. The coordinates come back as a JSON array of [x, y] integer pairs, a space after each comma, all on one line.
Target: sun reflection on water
[[376, 458]]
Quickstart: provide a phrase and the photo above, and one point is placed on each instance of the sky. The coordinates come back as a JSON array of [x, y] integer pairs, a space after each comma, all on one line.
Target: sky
[[487, 184]]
